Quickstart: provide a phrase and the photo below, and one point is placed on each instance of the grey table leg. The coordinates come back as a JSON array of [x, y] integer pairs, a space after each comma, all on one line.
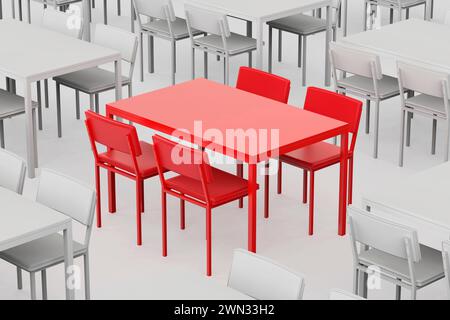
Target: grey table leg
[[68, 262], [327, 48]]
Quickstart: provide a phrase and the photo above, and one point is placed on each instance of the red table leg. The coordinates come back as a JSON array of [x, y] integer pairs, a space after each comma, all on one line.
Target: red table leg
[[343, 185], [252, 207]]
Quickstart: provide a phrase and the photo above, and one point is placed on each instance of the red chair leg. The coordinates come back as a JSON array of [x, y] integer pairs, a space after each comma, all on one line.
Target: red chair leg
[[305, 186], [208, 242], [97, 187], [142, 197], [164, 223], [350, 181], [112, 191], [279, 176], [182, 215], [138, 211], [266, 191], [240, 173], [311, 203]]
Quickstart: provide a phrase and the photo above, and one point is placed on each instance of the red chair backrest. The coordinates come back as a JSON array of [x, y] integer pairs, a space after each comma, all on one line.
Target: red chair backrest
[[264, 84], [186, 161], [336, 106], [112, 134]]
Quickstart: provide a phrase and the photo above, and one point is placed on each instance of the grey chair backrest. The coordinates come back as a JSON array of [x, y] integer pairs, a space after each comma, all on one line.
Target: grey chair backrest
[[373, 231], [155, 9], [446, 259], [263, 279], [12, 171], [422, 80], [120, 40], [61, 22], [357, 62], [209, 21], [337, 294], [67, 196]]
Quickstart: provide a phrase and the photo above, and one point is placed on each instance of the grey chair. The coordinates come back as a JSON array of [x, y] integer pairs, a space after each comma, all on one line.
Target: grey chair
[[394, 250], [12, 171], [264, 279], [162, 23], [71, 198], [362, 77], [96, 80], [303, 26], [446, 258], [11, 105], [431, 102], [393, 5], [220, 41]]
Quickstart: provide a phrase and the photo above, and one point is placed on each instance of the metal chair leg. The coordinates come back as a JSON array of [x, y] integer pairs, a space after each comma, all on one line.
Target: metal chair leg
[[205, 65], [87, 277], [92, 102], [408, 129], [105, 12], [58, 109], [367, 116], [433, 138], [47, 102], [280, 45], [376, 127], [33, 285], [119, 8], [142, 55], [130, 90], [2, 134], [402, 137], [77, 104], [44, 284], [355, 280], [398, 292], [304, 62], [151, 54], [299, 51], [193, 64], [270, 49], [97, 103], [173, 61], [39, 99]]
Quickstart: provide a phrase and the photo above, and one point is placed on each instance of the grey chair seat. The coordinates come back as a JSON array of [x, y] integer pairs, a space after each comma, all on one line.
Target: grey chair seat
[[236, 43], [429, 269], [41, 253], [91, 80], [300, 24], [427, 104], [161, 27], [12, 104], [404, 3], [387, 86]]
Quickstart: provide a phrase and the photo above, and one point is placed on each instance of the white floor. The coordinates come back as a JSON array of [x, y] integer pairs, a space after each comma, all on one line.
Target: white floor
[[121, 270]]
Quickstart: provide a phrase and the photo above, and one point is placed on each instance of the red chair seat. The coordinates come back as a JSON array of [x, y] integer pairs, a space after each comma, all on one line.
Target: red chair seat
[[224, 187], [315, 156], [121, 160]]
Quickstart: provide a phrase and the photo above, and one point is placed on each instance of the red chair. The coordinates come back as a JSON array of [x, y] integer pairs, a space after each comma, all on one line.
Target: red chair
[[269, 86], [125, 155], [197, 182], [321, 155]]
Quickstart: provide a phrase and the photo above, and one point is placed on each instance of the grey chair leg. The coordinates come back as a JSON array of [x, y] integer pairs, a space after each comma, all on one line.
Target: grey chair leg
[[250, 34], [119, 8], [87, 277], [77, 104], [47, 102], [408, 129], [433, 137], [97, 103], [44, 284], [20, 10], [39, 99], [280, 45], [391, 16], [376, 127], [355, 281], [402, 138], [304, 62], [92, 102], [151, 54], [205, 65], [93, 4], [193, 64], [2, 134], [173, 61], [19, 278], [130, 90], [366, 5], [58, 109], [407, 13], [226, 70], [33, 285], [367, 116], [398, 292], [105, 12], [270, 49], [142, 55], [299, 51]]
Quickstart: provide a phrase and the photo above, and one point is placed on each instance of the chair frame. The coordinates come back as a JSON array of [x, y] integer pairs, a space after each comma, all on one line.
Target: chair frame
[[225, 54], [407, 111], [377, 75]]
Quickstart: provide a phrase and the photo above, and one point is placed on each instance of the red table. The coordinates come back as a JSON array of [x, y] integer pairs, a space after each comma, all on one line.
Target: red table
[[221, 108]]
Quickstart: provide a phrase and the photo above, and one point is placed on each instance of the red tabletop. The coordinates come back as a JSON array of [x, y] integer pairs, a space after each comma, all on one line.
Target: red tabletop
[[223, 108]]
